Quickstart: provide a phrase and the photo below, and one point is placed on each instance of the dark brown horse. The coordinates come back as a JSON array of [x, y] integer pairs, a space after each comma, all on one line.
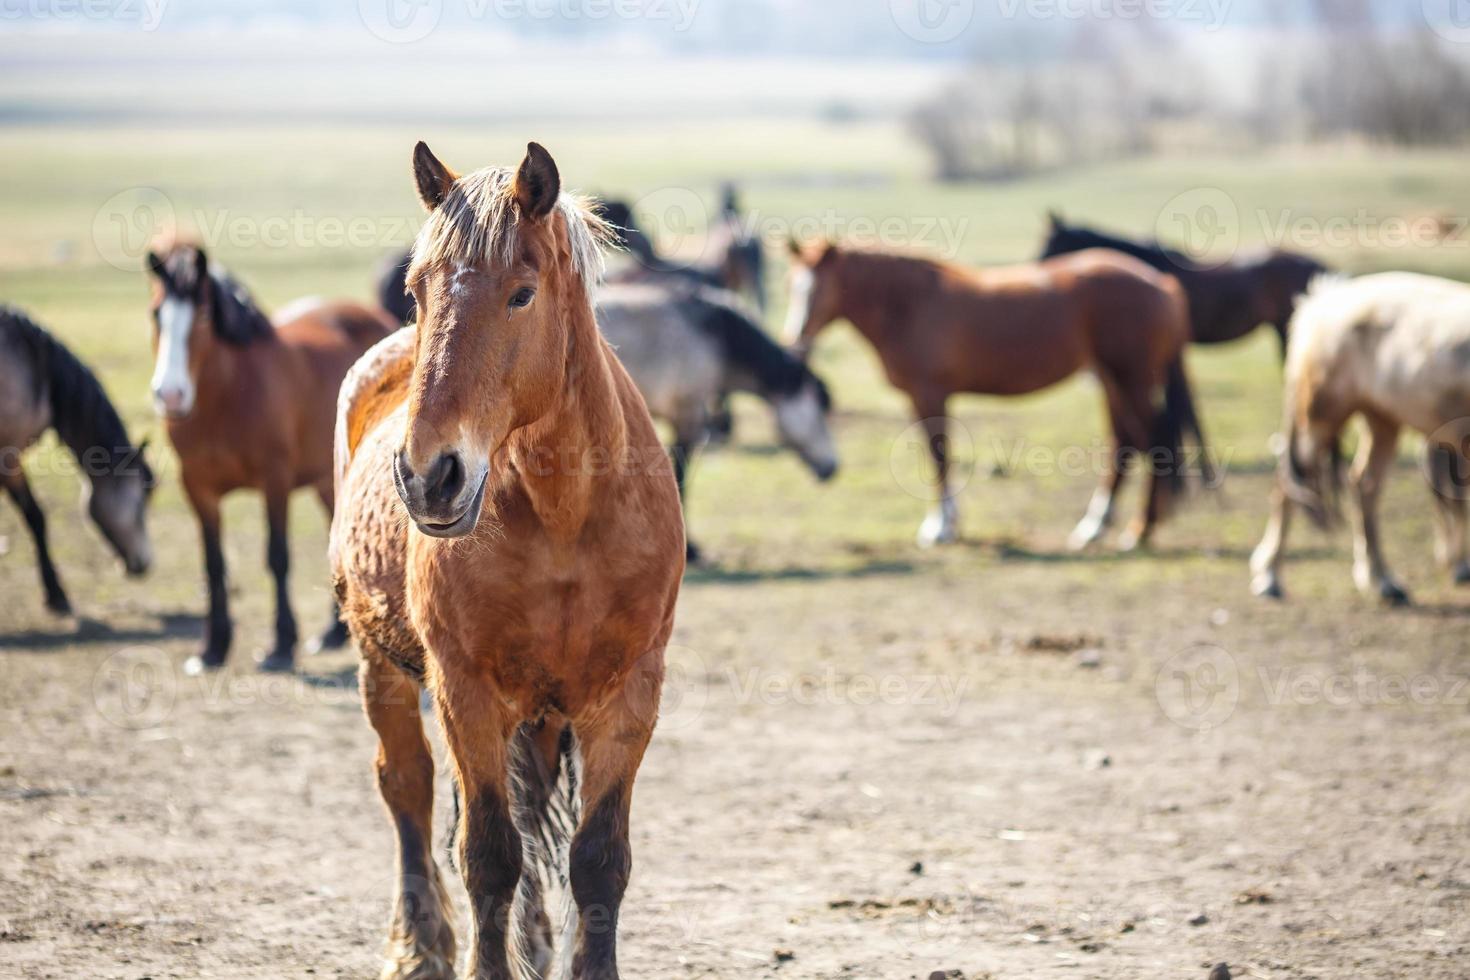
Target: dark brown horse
[[509, 534], [942, 330], [249, 405], [43, 386], [1226, 302]]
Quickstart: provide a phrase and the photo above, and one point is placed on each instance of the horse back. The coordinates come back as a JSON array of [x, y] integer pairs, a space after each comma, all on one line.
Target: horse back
[[25, 409]]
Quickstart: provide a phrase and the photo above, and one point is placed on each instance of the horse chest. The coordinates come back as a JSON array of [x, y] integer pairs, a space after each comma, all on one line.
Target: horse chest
[[545, 641]]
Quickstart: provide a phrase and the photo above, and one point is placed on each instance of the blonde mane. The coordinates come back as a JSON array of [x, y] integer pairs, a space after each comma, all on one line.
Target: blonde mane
[[479, 220]]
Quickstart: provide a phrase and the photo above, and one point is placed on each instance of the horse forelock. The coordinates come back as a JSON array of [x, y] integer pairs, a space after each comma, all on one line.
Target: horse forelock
[[236, 317], [479, 220]]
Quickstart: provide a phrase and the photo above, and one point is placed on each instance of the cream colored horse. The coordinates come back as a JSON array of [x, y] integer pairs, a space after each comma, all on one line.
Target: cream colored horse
[[1395, 349]]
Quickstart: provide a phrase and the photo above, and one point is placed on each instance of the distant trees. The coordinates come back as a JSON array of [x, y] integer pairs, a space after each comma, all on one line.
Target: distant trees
[[1107, 91]]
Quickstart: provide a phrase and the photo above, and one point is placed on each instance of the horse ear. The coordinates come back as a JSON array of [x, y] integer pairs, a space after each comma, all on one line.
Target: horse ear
[[1054, 217], [433, 178], [793, 246], [538, 183], [155, 265]]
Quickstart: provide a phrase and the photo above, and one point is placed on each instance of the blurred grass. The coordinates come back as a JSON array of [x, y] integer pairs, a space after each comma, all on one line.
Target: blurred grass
[[756, 512]]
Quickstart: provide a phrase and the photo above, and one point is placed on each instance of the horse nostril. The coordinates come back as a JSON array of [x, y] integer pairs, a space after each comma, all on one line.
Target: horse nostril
[[446, 479]]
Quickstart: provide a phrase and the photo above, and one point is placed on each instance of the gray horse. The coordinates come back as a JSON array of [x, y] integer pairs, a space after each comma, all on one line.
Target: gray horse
[[688, 346], [44, 386]]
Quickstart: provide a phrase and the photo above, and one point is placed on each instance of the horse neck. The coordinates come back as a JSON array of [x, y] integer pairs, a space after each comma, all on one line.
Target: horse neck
[[860, 277], [582, 439], [82, 414], [215, 388]]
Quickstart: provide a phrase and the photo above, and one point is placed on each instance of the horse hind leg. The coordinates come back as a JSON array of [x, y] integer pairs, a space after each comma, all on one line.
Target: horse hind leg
[[335, 636], [1266, 559], [1099, 516], [19, 489], [421, 943], [545, 815], [1447, 481], [1375, 457]]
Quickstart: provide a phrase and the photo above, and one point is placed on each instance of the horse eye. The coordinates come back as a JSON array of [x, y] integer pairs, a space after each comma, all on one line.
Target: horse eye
[[522, 298]]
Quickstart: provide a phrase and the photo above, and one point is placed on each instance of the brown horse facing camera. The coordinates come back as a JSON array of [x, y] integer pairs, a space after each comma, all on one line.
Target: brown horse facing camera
[[942, 330], [510, 536], [249, 405]]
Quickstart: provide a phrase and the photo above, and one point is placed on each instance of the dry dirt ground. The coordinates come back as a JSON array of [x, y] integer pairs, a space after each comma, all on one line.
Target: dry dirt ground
[[998, 759]]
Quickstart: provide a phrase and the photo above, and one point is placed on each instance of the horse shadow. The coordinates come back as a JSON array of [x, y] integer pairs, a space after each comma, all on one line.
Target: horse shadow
[[1006, 550], [711, 573], [89, 631]]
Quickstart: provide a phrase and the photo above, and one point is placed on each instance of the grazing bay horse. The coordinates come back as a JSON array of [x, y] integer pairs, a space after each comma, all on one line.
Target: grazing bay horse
[[43, 386], [1226, 302], [509, 535], [942, 330], [1395, 349], [689, 347], [249, 404]]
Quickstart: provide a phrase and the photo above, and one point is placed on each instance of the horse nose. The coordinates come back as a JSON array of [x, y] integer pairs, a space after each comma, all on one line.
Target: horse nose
[[826, 471], [440, 487], [171, 400]]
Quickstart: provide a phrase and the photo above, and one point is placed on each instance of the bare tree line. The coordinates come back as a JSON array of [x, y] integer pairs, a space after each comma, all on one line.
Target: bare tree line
[[1122, 89]]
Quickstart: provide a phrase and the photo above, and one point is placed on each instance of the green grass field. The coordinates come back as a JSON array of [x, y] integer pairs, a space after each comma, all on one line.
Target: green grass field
[[302, 211]]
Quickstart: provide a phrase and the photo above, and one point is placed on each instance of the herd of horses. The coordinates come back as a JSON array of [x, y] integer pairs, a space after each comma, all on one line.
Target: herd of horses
[[506, 527]]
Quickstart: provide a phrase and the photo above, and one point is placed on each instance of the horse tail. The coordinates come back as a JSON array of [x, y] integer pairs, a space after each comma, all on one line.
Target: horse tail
[[1303, 456], [1301, 470], [546, 808], [1176, 423], [1178, 420]]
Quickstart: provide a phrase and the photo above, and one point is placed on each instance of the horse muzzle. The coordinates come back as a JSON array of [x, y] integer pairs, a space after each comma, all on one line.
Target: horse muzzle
[[446, 501]]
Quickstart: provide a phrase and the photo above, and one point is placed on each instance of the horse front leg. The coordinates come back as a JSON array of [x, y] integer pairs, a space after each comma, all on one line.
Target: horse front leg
[[1266, 559], [610, 744], [218, 630], [478, 729], [282, 658], [688, 437], [19, 489], [335, 636], [1369, 471], [421, 944], [942, 525]]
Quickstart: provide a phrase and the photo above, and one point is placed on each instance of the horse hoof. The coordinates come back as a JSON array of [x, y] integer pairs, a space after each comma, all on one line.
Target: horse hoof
[[1393, 594], [1131, 542], [335, 638], [1267, 587], [692, 554], [1462, 574], [59, 605], [203, 663], [418, 965], [279, 662], [931, 538]]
